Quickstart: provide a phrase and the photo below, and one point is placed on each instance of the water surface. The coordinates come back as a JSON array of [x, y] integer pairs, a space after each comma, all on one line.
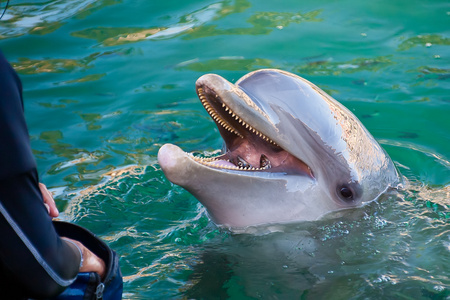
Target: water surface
[[107, 82]]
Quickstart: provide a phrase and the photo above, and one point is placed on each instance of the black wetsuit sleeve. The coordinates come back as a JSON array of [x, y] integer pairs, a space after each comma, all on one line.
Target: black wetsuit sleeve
[[34, 261]]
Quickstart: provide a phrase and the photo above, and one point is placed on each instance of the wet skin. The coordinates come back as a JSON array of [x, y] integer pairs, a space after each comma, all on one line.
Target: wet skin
[[292, 153]]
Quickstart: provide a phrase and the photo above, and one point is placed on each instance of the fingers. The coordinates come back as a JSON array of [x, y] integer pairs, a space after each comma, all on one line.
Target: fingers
[[91, 262], [48, 201], [47, 207]]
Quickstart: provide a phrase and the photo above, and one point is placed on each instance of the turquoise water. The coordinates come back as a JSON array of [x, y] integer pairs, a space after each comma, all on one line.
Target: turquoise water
[[107, 82]]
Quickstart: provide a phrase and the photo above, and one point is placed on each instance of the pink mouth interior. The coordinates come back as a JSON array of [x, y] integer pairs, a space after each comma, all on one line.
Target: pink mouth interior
[[244, 148]]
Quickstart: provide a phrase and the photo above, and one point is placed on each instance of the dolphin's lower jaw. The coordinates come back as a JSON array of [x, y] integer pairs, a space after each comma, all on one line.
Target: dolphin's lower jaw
[[291, 154], [238, 198]]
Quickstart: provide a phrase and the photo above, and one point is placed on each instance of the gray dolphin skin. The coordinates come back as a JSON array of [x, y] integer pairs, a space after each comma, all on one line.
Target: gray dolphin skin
[[292, 153]]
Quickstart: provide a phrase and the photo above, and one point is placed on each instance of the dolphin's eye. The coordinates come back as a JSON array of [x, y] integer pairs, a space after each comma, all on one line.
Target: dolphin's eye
[[346, 193]]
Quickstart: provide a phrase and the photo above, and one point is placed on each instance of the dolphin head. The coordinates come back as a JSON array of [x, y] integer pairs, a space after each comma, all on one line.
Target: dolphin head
[[292, 153]]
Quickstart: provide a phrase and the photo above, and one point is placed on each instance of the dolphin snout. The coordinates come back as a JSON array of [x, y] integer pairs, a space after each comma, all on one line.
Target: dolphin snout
[[171, 158]]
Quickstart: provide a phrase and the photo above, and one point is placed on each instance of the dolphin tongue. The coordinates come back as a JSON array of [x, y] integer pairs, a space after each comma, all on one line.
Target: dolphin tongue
[[224, 163]]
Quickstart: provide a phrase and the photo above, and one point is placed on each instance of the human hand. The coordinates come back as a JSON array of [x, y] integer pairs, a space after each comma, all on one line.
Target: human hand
[[91, 262], [48, 201]]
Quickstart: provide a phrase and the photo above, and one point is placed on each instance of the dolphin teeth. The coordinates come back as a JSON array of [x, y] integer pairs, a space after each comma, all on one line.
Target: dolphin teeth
[[218, 119], [264, 162], [215, 115], [242, 163]]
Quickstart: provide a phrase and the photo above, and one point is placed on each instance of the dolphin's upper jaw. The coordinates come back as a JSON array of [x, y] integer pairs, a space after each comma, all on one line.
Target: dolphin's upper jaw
[[247, 149]]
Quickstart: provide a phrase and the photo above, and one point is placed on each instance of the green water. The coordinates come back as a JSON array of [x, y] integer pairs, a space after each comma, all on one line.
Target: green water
[[107, 82]]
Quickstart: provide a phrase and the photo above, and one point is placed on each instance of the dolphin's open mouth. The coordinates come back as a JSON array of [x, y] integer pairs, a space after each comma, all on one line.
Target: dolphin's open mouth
[[292, 153], [247, 149]]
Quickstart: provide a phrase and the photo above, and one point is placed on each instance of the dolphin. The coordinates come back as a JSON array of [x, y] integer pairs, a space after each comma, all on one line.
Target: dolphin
[[292, 153]]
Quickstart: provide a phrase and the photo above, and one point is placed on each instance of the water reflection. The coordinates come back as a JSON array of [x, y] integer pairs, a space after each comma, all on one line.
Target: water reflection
[[41, 17], [429, 75], [262, 23], [329, 67], [86, 163], [110, 184], [28, 66], [424, 41], [90, 119], [322, 66], [436, 200], [87, 78], [118, 36], [227, 63], [196, 25], [60, 103]]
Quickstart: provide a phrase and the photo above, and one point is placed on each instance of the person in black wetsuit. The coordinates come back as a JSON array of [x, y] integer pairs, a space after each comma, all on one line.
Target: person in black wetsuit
[[34, 261]]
